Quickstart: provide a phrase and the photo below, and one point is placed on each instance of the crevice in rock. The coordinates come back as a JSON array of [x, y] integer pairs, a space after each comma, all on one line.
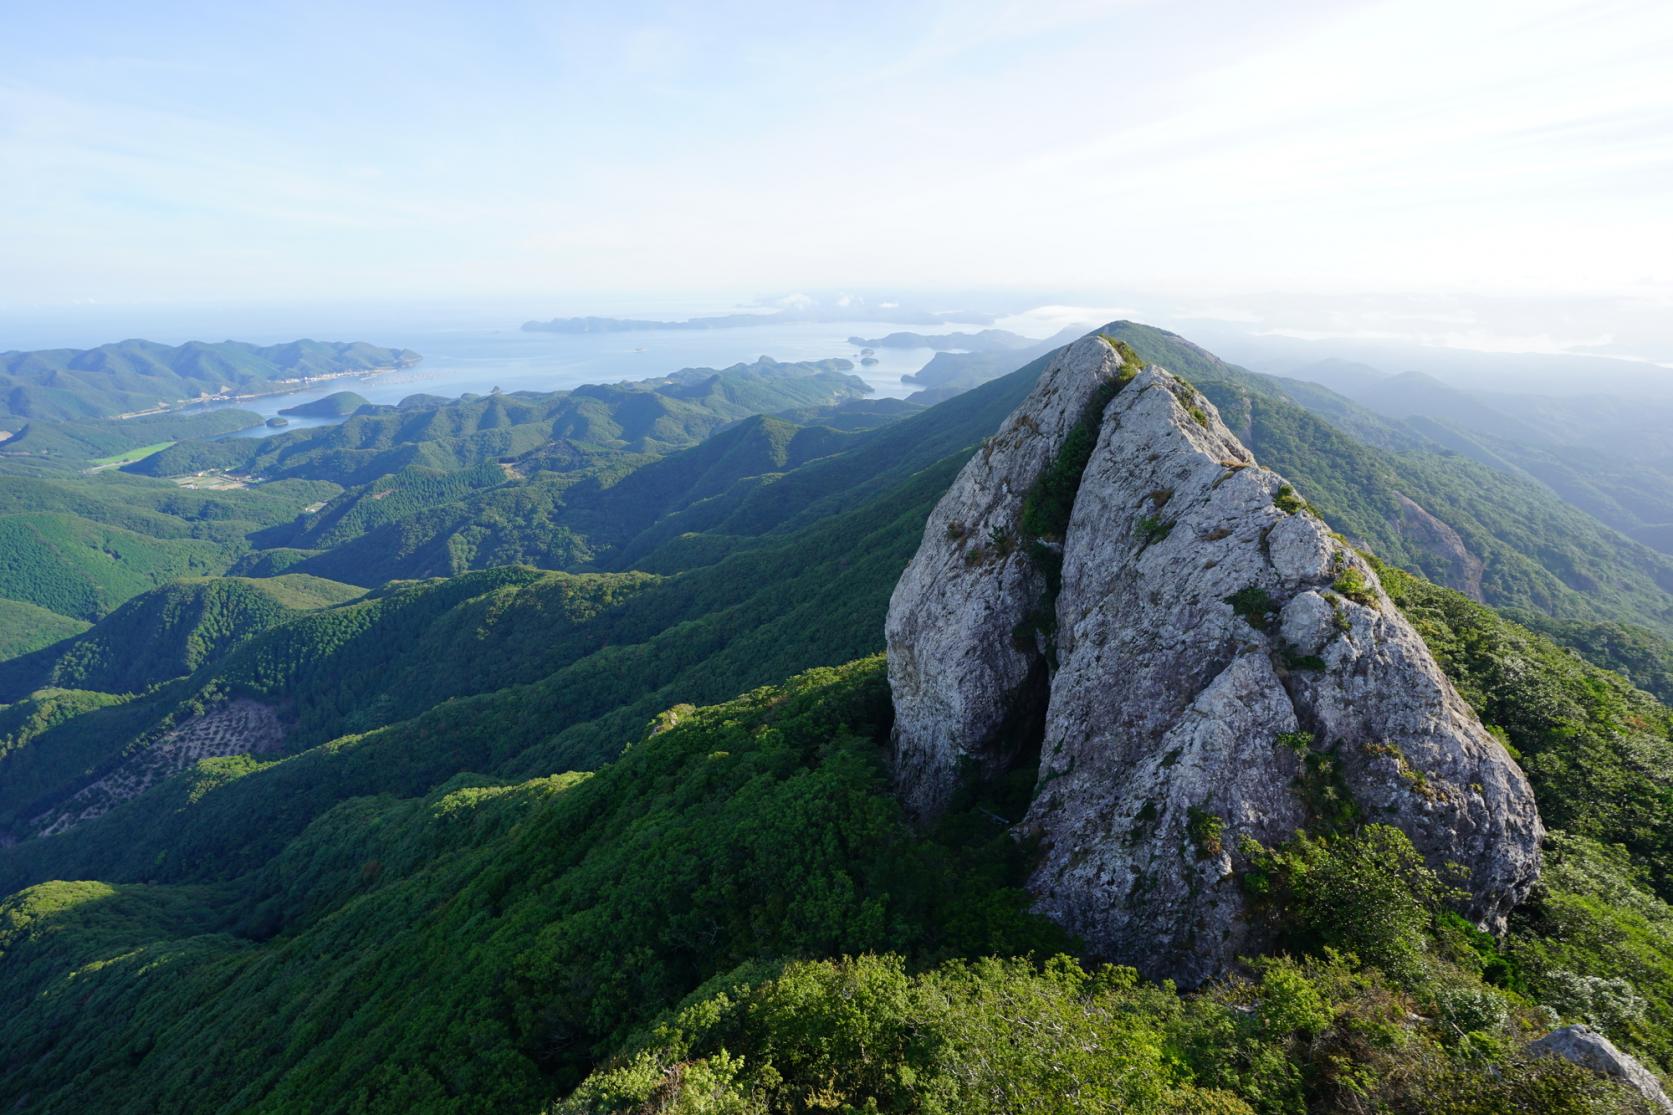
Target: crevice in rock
[[1017, 744]]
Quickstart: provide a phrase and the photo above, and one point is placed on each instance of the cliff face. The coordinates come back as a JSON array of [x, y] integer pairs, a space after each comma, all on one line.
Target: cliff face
[[1460, 569], [1216, 652], [963, 684]]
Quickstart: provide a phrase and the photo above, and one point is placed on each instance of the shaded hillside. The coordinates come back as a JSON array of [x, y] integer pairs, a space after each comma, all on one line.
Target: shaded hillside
[[167, 632], [419, 905]]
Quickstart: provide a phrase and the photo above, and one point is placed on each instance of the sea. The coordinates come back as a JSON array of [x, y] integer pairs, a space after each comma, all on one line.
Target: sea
[[480, 355], [479, 360]]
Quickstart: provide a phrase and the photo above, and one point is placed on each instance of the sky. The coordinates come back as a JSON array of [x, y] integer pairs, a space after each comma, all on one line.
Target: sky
[[1218, 151]]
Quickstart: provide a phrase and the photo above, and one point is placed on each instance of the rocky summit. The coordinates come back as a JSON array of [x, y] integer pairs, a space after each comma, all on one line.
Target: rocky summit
[[1200, 663]]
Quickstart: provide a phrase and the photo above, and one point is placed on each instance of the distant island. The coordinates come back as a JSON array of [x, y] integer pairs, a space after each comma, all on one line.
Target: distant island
[[988, 340], [894, 315], [137, 377], [338, 404]]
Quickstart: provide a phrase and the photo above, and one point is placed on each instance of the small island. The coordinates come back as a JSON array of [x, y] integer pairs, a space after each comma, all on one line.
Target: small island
[[338, 404], [277, 422]]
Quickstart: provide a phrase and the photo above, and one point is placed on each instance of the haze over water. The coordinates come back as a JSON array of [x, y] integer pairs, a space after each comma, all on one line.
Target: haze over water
[[463, 360]]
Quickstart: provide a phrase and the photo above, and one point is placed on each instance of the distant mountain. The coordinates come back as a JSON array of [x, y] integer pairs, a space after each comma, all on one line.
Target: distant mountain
[[143, 375], [988, 340], [895, 316], [338, 404], [1604, 454], [1345, 376], [559, 431], [493, 842], [948, 373], [1536, 550]]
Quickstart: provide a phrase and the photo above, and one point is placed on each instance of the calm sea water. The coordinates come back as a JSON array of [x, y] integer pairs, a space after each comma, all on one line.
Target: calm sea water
[[464, 360]]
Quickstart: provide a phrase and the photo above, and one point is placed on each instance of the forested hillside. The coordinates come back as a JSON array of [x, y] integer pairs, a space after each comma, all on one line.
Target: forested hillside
[[143, 375], [81, 539], [531, 753], [729, 845]]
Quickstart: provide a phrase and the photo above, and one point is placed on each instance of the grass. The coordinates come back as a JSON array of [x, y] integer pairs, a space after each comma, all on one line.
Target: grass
[[116, 460]]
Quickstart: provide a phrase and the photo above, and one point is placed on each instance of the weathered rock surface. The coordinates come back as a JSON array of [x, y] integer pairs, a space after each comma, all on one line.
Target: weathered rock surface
[[1177, 723], [958, 675], [1589, 1049], [1459, 568]]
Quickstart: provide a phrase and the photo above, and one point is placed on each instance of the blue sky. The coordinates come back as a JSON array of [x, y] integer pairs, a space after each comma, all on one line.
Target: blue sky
[[176, 153]]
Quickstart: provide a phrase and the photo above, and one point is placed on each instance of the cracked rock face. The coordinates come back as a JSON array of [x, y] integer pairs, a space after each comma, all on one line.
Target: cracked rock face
[[1210, 634], [958, 675]]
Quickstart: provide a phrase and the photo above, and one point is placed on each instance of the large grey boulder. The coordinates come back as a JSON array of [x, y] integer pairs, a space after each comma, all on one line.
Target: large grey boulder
[[961, 680], [1589, 1049], [1210, 634]]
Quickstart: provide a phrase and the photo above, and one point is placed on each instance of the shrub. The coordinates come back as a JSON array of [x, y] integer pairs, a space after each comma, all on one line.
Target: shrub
[[1131, 363], [1207, 833], [1254, 604], [1299, 742], [1350, 582], [1610, 1004], [1288, 502], [1471, 1010], [1151, 529], [1295, 660], [1369, 893]]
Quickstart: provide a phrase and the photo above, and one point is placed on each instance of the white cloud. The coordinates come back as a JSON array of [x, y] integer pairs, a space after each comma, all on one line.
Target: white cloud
[[1217, 150]]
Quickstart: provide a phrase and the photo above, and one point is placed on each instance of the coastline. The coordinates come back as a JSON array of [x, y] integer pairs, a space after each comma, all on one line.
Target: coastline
[[291, 386]]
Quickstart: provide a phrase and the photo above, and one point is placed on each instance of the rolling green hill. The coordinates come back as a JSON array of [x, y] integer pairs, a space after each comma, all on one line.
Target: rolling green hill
[[28, 627], [80, 568], [80, 546], [773, 598], [142, 375], [417, 523], [338, 404], [621, 838], [721, 855], [167, 632], [557, 432], [42, 447]]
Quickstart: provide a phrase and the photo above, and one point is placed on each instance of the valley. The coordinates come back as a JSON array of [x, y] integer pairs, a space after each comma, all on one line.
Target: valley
[[592, 680], [796, 559]]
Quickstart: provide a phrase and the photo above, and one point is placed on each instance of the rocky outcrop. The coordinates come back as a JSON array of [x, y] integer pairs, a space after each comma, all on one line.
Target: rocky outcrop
[[1589, 1049], [963, 596], [1217, 651], [1457, 568]]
